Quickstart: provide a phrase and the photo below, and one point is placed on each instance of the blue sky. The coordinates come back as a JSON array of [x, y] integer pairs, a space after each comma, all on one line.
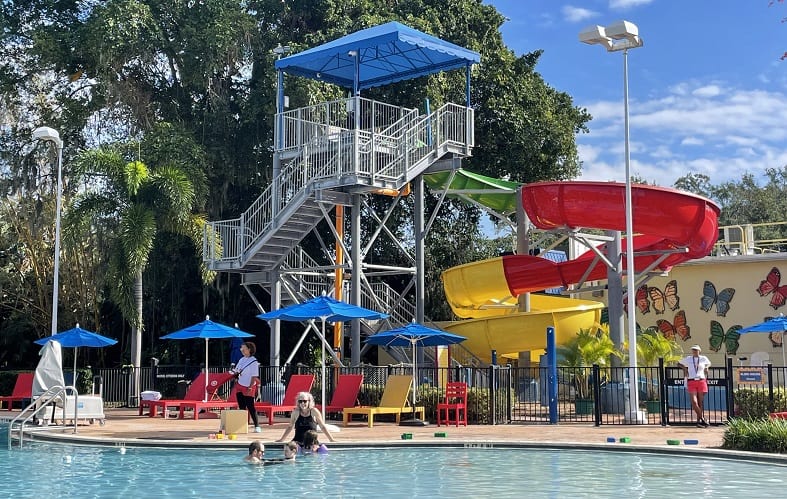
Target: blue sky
[[707, 91]]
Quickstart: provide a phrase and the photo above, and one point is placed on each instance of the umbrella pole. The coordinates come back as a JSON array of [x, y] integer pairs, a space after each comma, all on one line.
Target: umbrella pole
[[322, 367], [414, 421], [205, 397], [74, 374]]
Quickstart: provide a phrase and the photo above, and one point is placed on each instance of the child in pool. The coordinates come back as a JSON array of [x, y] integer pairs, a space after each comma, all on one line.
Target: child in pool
[[312, 445]]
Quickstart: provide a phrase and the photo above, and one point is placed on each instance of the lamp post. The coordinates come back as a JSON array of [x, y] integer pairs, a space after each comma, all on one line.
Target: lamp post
[[50, 135], [622, 36]]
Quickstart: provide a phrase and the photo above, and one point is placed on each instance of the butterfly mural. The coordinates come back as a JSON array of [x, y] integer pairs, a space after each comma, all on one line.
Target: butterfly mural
[[729, 339], [678, 327], [777, 337], [722, 299], [660, 300], [643, 304], [772, 286]]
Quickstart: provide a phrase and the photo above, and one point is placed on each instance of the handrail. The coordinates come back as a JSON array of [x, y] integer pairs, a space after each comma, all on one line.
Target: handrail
[[41, 402], [324, 156]]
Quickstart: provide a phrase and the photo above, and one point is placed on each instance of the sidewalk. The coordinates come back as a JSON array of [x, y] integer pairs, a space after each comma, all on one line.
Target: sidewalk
[[126, 427]]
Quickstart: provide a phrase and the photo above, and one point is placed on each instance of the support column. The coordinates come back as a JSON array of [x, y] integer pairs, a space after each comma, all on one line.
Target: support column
[[615, 294], [522, 248], [275, 325], [355, 276], [420, 267]]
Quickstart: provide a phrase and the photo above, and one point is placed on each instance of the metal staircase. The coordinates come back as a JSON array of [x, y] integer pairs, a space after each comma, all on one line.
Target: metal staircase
[[331, 151]]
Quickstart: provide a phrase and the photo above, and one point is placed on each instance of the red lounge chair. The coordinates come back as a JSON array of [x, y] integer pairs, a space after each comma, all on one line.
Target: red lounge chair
[[215, 381], [345, 394], [298, 383], [23, 390], [194, 397]]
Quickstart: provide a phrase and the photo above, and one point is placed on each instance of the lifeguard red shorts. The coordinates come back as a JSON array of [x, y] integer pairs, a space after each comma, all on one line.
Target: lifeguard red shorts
[[698, 386]]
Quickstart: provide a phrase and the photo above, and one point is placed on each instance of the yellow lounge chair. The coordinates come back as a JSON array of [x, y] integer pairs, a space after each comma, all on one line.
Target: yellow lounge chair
[[394, 401]]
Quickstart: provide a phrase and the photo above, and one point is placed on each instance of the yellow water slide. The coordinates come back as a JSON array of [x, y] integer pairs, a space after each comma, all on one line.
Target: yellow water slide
[[478, 292]]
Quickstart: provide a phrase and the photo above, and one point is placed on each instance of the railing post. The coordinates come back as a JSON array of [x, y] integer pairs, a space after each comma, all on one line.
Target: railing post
[[728, 382], [662, 392], [596, 370], [241, 232], [770, 387], [492, 405]]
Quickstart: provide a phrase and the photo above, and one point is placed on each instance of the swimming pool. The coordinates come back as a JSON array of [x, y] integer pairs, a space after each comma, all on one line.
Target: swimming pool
[[47, 470]]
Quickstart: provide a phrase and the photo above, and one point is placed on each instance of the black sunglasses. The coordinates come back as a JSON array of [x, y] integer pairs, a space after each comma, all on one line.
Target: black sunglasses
[[303, 401]]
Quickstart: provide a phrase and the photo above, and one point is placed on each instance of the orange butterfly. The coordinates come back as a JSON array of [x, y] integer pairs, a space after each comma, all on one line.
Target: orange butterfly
[[677, 327], [642, 300], [771, 284], [669, 297]]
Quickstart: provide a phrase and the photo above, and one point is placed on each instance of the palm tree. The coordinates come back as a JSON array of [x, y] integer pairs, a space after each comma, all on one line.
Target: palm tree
[[588, 347], [652, 346], [129, 204]]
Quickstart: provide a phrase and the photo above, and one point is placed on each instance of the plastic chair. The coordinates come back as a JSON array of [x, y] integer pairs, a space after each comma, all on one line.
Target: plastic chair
[[345, 394], [456, 400], [394, 401], [297, 383], [23, 390]]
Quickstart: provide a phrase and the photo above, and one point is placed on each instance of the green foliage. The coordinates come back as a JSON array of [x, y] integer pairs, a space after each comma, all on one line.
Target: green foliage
[[587, 348], [763, 435], [755, 404]]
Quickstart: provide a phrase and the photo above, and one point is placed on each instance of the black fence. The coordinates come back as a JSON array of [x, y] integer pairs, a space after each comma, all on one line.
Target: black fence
[[504, 394]]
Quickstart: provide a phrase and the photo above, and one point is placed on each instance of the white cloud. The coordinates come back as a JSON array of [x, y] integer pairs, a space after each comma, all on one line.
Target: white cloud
[[576, 14], [706, 127], [691, 141], [707, 91], [627, 4]]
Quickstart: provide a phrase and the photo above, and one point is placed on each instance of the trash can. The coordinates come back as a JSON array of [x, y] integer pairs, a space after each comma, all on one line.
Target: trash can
[[181, 389], [615, 398], [98, 386], [273, 393], [528, 390]]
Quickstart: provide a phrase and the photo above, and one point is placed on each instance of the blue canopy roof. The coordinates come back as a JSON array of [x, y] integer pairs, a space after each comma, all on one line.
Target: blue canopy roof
[[387, 53]]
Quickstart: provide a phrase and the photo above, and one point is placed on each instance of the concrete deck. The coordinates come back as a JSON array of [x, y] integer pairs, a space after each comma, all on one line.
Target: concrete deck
[[126, 427]]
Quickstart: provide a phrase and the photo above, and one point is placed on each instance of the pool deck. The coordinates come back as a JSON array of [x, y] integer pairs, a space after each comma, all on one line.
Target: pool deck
[[124, 427]]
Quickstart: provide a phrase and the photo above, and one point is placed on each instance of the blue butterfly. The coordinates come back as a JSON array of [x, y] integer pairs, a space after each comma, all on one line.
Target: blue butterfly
[[722, 299]]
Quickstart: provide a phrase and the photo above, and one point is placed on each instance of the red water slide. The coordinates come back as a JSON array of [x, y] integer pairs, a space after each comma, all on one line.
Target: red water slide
[[664, 219]]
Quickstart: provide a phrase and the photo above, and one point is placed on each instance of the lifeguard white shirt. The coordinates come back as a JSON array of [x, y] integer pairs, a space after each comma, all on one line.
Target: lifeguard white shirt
[[698, 366]]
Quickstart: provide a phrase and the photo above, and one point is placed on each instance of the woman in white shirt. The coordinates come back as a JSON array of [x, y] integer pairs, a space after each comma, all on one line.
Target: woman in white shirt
[[695, 370], [247, 372]]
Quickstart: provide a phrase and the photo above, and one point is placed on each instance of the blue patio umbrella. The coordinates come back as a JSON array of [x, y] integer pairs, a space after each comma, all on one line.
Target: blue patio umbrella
[[414, 335], [327, 309], [773, 325], [77, 337], [207, 329]]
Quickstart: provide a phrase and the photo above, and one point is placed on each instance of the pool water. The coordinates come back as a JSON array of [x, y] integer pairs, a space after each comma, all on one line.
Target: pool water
[[47, 470]]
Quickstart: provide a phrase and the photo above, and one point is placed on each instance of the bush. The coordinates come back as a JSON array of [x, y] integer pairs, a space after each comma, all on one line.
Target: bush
[[754, 404], [763, 435]]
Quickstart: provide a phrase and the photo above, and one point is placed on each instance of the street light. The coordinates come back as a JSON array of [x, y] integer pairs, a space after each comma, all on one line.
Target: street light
[[50, 135], [622, 36]]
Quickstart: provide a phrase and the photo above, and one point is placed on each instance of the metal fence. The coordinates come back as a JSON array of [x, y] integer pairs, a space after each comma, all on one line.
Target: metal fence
[[504, 394]]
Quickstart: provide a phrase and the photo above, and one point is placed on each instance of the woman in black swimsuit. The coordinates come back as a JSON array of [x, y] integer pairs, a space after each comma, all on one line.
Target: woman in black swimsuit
[[305, 417]]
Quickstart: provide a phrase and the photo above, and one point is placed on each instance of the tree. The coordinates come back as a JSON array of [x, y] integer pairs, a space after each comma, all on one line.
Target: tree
[[131, 205], [587, 348], [103, 72]]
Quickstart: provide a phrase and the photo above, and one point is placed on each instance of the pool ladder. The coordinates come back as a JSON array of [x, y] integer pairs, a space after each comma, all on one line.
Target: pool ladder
[[39, 404]]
